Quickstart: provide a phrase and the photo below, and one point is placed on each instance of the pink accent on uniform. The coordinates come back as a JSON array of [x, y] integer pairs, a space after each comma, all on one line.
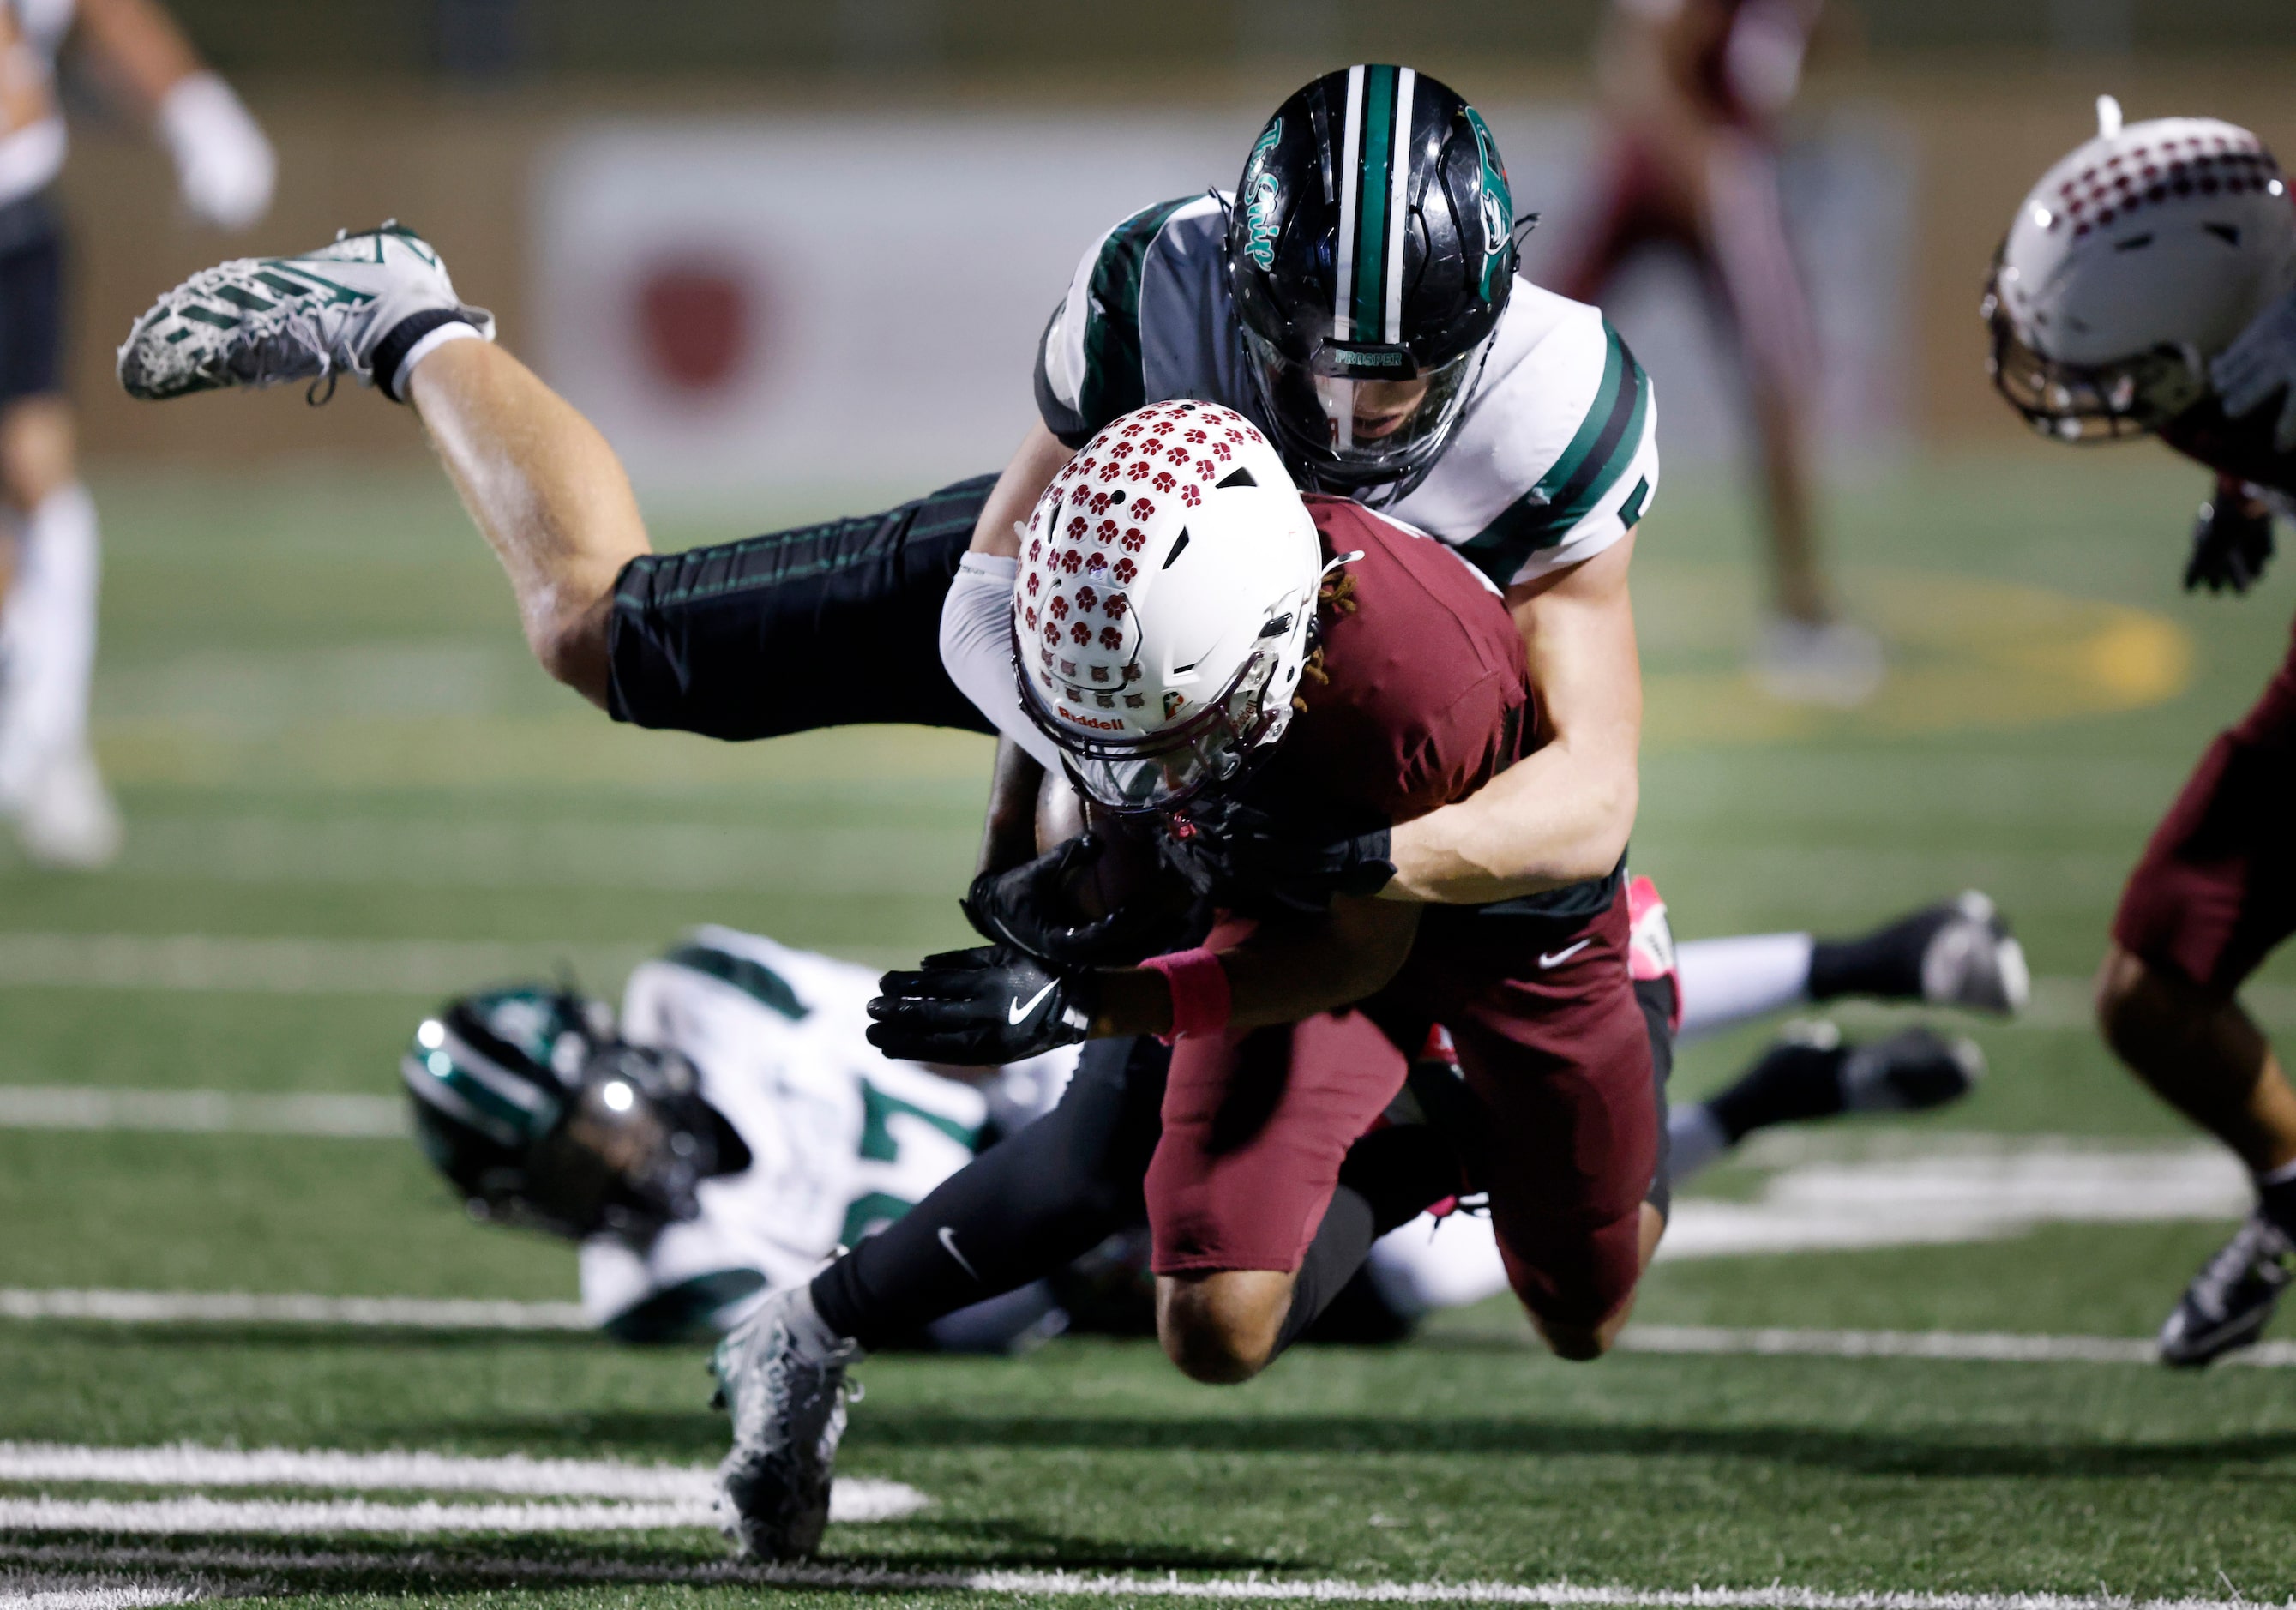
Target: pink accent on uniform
[[1201, 1001], [1650, 944]]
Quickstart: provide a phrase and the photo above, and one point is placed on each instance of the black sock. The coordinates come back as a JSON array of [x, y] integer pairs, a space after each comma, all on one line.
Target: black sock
[[390, 352], [1792, 1081], [1389, 1177], [1019, 1212], [2277, 1201], [1885, 964]]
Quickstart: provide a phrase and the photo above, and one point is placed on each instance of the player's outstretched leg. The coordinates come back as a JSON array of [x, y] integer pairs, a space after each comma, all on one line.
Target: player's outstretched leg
[[1810, 1073], [781, 1373], [367, 305]]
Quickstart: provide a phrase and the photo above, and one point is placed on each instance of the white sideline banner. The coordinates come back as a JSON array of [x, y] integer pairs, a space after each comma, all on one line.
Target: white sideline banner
[[843, 301]]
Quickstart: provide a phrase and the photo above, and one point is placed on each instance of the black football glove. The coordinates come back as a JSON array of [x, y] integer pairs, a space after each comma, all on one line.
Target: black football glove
[[978, 1008], [1265, 864], [2232, 541], [1029, 907]]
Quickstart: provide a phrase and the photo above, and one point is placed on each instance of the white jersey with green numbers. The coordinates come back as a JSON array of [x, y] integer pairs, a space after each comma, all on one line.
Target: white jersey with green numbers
[[842, 1140], [1553, 460]]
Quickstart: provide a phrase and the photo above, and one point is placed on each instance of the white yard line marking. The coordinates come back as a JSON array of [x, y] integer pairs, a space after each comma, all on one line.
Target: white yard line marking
[[203, 1112], [411, 1313], [97, 1597], [2001, 1347], [1557, 1596], [292, 967], [188, 1465], [851, 1502]]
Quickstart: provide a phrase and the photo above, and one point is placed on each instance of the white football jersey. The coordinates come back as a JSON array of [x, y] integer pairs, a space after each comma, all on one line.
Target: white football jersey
[[31, 156], [1555, 459], [842, 1139]]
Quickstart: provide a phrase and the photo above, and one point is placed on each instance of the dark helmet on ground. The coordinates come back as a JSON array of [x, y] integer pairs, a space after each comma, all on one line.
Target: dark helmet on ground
[[538, 1114], [1372, 241]]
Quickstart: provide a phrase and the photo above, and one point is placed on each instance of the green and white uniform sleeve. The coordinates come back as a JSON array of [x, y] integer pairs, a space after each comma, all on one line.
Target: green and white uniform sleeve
[[1557, 458], [1093, 364]]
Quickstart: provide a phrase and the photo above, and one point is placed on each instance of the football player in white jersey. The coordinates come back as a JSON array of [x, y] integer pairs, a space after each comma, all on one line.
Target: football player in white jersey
[[1362, 307], [49, 785], [799, 1137]]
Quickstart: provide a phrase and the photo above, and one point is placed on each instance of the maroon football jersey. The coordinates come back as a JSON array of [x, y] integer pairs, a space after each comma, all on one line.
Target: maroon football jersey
[[1419, 693]]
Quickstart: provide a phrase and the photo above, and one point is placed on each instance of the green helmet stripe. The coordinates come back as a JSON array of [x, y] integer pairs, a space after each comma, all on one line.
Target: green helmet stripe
[[1375, 153]]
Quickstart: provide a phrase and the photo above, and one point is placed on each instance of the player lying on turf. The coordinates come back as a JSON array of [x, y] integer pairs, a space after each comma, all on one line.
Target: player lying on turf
[[684, 1230], [2126, 277], [1407, 364]]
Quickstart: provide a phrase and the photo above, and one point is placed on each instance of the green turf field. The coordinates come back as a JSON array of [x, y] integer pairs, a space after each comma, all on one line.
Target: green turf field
[[350, 792]]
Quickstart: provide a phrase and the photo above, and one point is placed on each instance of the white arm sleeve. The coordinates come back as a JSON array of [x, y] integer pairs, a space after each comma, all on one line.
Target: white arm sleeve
[[976, 650]]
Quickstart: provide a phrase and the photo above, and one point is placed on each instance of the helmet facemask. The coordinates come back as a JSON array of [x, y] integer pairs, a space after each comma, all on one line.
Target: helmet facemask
[[2089, 403], [1161, 771], [1347, 416]]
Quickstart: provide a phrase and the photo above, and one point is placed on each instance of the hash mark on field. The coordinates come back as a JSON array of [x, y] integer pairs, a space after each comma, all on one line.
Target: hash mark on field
[[96, 1596], [1554, 1596], [849, 1501], [188, 1465], [1991, 1347], [244, 1308], [203, 1113]]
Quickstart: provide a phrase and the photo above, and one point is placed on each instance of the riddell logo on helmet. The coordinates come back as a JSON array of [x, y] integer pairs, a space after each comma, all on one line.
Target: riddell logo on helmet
[[1097, 723]]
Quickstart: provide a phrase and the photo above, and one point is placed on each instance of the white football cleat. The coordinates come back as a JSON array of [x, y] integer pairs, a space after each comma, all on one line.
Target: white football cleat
[[267, 321], [784, 1385], [1837, 664], [66, 818], [1971, 960]]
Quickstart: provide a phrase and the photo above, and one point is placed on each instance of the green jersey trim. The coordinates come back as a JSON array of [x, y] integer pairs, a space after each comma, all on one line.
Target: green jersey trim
[[753, 979], [1113, 384], [878, 1109], [1585, 475]]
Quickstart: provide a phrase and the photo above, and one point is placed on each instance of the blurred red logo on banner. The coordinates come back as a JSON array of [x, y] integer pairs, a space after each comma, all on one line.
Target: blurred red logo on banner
[[698, 323]]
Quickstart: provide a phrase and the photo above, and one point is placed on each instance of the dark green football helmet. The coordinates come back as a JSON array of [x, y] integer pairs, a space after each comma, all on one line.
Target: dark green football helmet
[[531, 1106]]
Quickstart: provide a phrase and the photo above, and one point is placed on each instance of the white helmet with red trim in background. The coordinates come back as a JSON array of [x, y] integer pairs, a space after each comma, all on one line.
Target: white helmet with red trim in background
[[2133, 262], [1160, 616]]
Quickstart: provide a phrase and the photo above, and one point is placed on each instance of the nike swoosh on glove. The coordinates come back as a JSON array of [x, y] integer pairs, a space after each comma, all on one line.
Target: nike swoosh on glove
[[978, 1008], [1029, 907], [2232, 541], [1262, 862], [2259, 365]]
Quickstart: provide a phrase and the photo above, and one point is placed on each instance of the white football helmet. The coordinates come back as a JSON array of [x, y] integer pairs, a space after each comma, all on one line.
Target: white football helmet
[[1162, 611], [2134, 261]]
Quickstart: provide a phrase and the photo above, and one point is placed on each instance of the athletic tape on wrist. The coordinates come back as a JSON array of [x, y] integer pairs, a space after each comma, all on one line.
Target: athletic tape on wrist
[[1201, 1002]]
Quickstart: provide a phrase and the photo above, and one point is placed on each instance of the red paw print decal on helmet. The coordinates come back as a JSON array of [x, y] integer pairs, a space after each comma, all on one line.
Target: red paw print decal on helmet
[[1125, 572], [1111, 638], [1206, 469], [1191, 496], [1035, 551], [1110, 469], [1095, 564], [1163, 482], [1084, 466], [1080, 634], [1197, 438], [1059, 607], [1117, 604], [1134, 540], [1105, 531], [1178, 455], [1072, 561], [1141, 509], [1163, 427], [1221, 451], [1099, 504], [1076, 528], [1134, 428], [1033, 580], [1138, 469], [1029, 617], [1086, 599], [1052, 633]]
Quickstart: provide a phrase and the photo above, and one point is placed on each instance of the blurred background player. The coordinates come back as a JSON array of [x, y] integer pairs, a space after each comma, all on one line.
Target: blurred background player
[[795, 1136], [49, 785], [2136, 260], [1692, 90]]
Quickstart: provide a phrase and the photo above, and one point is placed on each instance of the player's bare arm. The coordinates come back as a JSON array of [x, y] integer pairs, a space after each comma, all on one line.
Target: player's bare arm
[[1040, 457], [225, 165], [546, 492], [1562, 814]]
